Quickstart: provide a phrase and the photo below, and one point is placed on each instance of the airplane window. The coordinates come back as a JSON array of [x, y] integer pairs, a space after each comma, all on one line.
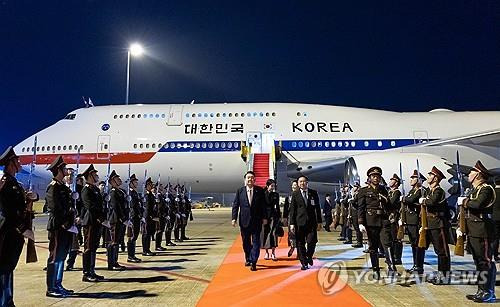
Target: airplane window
[[197, 145], [211, 114], [172, 145], [353, 144], [127, 116], [307, 144], [133, 116], [339, 144], [105, 146], [121, 116], [53, 148], [305, 114], [135, 145], [255, 114], [199, 114], [147, 145], [393, 143], [203, 145], [261, 114], [151, 115], [206, 114], [70, 148], [187, 115], [298, 113], [313, 144], [159, 145], [320, 144], [379, 143], [139, 115], [193, 115], [163, 115], [22, 149], [294, 144], [81, 147], [191, 145], [242, 114], [229, 145], [267, 113], [157, 115], [64, 147], [185, 145], [76, 147], [115, 117], [223, 114], [218, 114], [210, 145], [236, 144], [274, 113], [154, 145], [367, 143], [216, 144], [249, 114], [327, 144], [301, 144], [235, 115], [334, 144]]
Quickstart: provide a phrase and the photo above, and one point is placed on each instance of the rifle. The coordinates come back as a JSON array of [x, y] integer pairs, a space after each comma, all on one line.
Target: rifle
[[189, 204], [30, 248], [459, 245], [422, 240], [157, 200], [349, 208], [75, 196], [107, 197], [336, 214], [402, 216], [130, 227]]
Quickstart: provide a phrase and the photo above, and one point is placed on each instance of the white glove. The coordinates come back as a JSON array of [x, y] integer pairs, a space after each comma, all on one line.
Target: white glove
[[459, 233], [461, 200], [362, 228], [420, 230], [421, 200], [401, 198], [291, 228], [400, 222]]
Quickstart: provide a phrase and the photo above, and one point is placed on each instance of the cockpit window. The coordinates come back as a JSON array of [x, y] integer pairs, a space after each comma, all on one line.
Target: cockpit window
[[70, 116]]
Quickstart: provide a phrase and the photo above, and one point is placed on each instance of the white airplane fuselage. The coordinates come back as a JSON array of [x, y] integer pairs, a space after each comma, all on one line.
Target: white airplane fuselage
[[200, 144]]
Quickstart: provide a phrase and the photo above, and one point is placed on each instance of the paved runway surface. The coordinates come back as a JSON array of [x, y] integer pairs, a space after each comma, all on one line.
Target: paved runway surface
[[208, 270]]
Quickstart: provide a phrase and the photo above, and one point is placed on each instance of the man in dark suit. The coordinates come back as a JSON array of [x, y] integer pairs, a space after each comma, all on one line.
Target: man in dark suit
[[250, 203], [305, 221]]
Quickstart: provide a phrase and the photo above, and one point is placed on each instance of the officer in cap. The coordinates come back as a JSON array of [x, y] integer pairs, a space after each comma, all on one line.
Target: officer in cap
[[149, 213], [437, 225], [371, 215], [135, 218], [116, 218], [93, 217], [411, 212], [481, 231], [60, 227], [395, 205], [15, 217]]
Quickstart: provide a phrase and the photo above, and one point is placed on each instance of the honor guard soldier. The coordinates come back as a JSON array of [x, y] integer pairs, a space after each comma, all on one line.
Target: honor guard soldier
[[15, 219], [372, 217], [149, 214], [60, 226], [346, 213], [92, 219], [172, 213], [135, 215], [162, 217], [305, 221], [481, 231], [436, 208], [395, 208], [411, 212], [78, 238], [354, 201], [116, 218], [327, 212], [186, 212]]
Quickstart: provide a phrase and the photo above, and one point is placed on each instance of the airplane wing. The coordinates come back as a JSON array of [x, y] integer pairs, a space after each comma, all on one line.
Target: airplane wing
[[487, 138]]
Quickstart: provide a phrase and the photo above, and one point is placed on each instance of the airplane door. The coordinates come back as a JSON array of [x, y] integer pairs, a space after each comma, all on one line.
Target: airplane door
[[420, 137], [254, 140], [103, 146], [175, 115]]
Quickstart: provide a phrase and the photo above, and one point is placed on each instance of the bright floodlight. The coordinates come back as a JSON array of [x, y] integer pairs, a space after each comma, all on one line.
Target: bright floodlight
[[136, 49]]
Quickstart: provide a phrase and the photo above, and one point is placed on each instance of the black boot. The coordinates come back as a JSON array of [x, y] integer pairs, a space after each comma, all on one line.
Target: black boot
[[375, 265], [86, 263], [131, 253], [92, 267], [398, 252], [420, 260], [51, 277], [158, 238], [71, 260], [183, 233], [116, 265], [110, 255]]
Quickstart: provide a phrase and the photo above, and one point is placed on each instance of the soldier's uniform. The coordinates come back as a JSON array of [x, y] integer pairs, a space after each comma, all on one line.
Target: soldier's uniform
[[61, 222], [116, 217], [93, 216], [496, 218], [437, 227], [150, 214], [354, 216], [346, 231], [186, 202], [162, 220], [15, 219], [178, 215], [411, 212], [77, 238], [394, 209], [135, 214], [481, 233], [371, 213], [171, 216]]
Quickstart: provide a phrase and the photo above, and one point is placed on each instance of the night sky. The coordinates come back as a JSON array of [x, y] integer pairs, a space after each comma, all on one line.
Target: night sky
[[405, 57]]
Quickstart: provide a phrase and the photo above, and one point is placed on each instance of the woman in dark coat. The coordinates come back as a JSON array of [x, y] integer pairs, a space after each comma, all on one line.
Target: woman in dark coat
[[286, 210], [269, 238]]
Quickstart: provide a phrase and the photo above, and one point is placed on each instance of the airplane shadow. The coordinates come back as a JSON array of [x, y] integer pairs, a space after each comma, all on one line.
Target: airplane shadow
[[141, 280], [189, 249], [114, 295], [186, 254], [156, 268], [198, 244], [169, 260]]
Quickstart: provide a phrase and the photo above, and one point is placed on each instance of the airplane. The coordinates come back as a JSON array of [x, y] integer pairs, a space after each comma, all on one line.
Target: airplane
[[209, 146]]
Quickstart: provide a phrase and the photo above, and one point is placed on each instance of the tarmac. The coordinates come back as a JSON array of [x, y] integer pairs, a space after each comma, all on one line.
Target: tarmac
[[208, 270]]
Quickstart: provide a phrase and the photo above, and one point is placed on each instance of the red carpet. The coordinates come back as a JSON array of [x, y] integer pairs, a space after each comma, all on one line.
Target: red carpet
[[276, 283]]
